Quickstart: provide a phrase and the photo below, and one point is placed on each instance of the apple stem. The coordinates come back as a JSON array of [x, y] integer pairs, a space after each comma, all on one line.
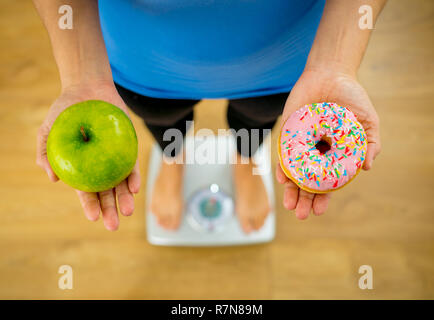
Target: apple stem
[[83, 133]]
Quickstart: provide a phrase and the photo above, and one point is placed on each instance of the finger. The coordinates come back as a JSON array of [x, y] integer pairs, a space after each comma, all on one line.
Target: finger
[[280, 175], [372, 152], [51, 175], [41, 153], [290, 195], [109, 210], [90, 203], [125, 199], [374, 143], [134, 179], [320, 203], [304, 204]]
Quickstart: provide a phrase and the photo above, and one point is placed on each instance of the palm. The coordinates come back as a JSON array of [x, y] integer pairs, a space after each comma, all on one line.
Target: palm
[[325, 86], [93, 203]]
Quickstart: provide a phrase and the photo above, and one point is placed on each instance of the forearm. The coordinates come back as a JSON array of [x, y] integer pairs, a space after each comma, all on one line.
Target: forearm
[[340, 43], [79, 52]]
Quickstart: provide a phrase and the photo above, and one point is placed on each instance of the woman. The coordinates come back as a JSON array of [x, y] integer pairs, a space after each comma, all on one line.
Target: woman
[[162, 57]]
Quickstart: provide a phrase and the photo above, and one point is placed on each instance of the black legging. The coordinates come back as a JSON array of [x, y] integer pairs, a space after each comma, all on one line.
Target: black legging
[[162, 114]]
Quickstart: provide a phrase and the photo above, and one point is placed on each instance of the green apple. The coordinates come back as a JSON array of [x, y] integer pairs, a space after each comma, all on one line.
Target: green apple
[[92, 146]]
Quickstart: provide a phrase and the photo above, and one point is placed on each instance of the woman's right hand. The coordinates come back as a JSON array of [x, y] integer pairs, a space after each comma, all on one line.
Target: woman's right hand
[[93, 203]]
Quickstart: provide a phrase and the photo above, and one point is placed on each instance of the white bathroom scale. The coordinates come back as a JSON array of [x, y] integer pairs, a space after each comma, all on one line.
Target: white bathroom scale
[[209, 217]]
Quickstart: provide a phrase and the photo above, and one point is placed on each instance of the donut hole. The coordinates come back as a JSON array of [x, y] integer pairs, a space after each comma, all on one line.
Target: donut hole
[[324, 145]]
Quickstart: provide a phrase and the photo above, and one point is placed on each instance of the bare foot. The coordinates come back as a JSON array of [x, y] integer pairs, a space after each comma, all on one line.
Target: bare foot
[[166, 202], [251, 200]]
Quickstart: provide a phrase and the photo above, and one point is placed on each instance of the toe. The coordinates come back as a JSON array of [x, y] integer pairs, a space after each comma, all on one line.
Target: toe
[[170, 221], [161, 220], [176, 221], [259, 220], [165, 221], [245, 223]]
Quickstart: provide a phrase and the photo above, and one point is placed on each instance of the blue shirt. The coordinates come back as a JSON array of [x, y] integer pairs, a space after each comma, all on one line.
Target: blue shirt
[[194, 49]]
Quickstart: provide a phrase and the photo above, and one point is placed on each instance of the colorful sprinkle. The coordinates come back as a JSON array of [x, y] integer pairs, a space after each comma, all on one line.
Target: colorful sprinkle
[[328, 170]]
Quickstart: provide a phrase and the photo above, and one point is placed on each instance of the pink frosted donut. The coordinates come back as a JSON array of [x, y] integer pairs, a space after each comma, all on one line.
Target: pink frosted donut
[[322, 147]]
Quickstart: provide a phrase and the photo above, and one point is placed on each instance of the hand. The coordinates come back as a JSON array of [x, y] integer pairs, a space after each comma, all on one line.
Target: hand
[[323, 85], [92, 203]]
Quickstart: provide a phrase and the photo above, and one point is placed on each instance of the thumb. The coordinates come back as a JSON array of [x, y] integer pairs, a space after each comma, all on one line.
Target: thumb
[[41, 153], [296, 99]]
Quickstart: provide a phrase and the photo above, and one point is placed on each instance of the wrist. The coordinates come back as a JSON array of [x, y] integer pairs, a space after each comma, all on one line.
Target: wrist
[[88, 79], [333, 66], [78, 67], [87, 84]]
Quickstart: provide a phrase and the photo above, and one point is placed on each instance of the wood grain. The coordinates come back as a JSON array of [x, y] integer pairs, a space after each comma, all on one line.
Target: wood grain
[[385, 218]]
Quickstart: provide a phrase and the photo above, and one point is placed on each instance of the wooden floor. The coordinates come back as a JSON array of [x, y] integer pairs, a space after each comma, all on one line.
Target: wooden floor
[[385, 218]]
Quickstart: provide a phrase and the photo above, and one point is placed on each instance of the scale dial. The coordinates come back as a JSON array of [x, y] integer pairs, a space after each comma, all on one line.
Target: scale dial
[[209, 209]]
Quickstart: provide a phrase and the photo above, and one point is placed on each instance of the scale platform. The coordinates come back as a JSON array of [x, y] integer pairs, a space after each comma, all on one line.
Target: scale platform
[[209, 217]]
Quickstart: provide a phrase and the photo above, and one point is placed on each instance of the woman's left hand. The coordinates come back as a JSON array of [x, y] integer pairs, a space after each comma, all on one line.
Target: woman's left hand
[[324, 85]]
